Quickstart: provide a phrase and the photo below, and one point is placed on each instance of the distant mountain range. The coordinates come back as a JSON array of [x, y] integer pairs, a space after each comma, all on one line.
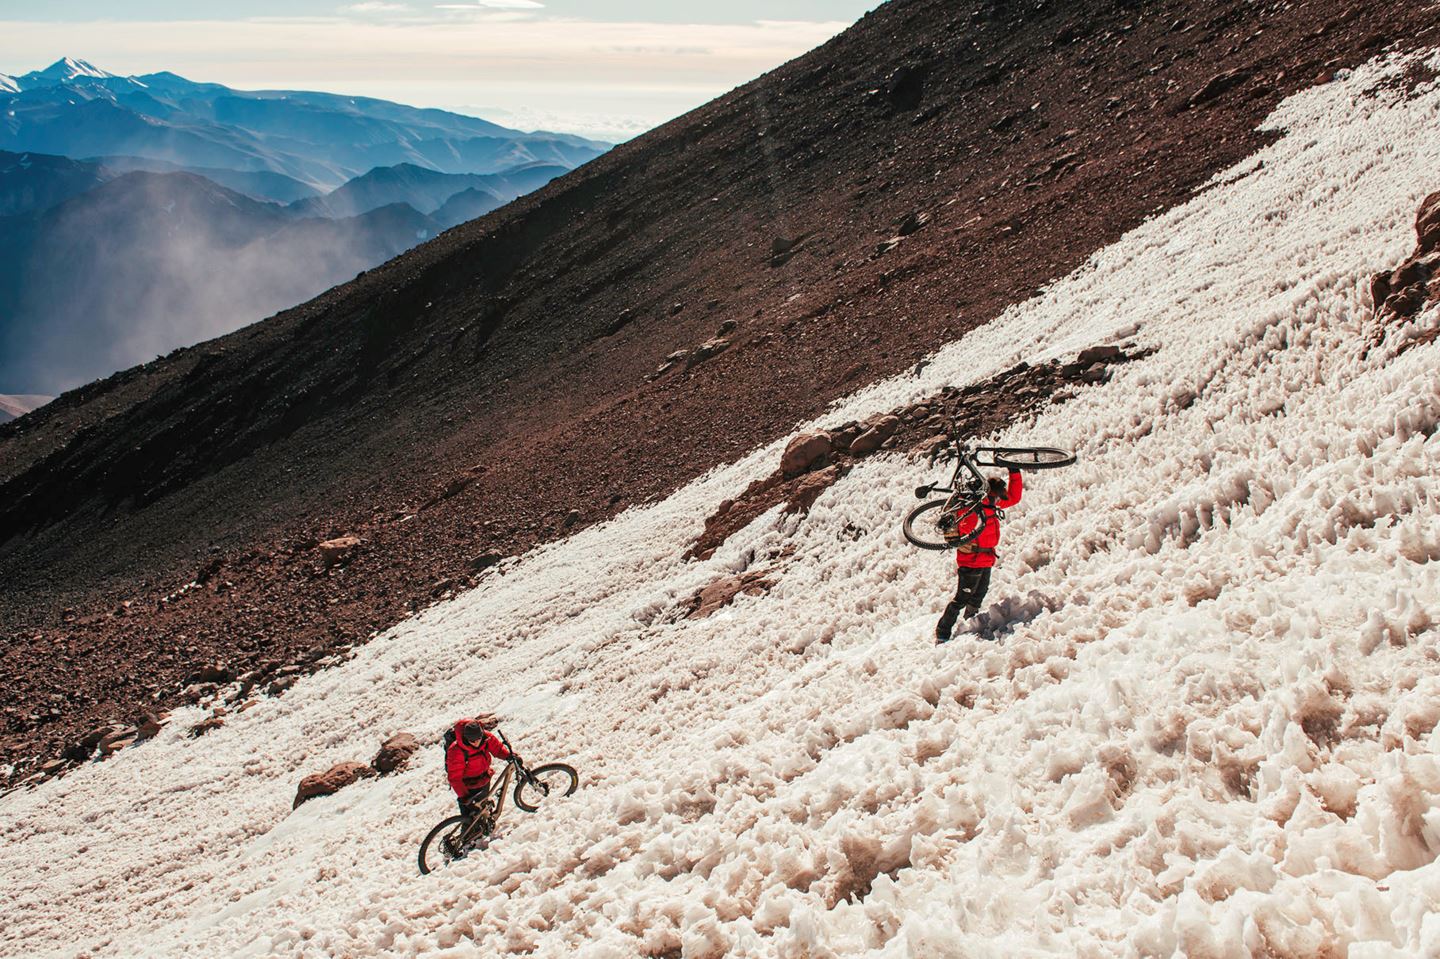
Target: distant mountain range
[[139, 214]]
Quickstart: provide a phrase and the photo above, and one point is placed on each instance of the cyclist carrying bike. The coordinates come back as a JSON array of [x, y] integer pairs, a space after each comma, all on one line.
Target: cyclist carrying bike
[[975, 559], [469, 748]]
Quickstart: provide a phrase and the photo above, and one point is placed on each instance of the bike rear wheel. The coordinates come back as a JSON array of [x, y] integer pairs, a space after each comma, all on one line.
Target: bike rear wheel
[[550, 781], [438, 848], [931, 526], [1031, 457]]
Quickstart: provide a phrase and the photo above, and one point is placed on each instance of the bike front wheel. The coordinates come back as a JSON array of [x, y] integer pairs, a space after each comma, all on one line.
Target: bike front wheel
[[439, 848], [550, 781], [1031, 457], [931, 526]]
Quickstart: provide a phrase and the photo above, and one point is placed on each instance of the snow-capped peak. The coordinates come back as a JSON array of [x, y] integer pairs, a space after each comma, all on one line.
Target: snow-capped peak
[[8, 84], [68, 68], [62, 71]]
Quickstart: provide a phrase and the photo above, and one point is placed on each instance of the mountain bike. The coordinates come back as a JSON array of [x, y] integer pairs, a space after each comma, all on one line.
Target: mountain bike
[[936, 524], [458, 836]]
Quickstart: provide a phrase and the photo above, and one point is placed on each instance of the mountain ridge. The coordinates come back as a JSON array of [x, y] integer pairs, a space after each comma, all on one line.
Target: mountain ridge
[[74, 109]]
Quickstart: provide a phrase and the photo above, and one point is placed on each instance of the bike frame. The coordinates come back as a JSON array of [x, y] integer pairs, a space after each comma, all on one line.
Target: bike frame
[[966, 460], [500, 790]]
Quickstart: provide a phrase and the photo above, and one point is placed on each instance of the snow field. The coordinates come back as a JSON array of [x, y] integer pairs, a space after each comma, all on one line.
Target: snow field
[[1208, 726]]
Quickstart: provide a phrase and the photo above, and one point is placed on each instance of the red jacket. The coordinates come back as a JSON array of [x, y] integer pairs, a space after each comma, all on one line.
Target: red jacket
[[469, 766], [984, 557]]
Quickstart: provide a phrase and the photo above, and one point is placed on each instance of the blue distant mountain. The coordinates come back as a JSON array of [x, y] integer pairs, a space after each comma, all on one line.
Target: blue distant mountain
[[74, 109], [143, 213]]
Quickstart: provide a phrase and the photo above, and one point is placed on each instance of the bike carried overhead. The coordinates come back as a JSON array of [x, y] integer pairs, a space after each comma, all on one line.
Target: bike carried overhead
[[936, 523], [457, 836]]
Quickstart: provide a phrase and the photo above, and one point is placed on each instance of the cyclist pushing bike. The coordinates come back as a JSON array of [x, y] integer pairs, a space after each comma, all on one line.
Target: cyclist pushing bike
[[976, 558], [471, 749], [968, 519]]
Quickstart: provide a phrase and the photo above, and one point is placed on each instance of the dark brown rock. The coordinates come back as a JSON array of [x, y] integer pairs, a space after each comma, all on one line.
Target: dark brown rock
[[808, 490], [912, 222], [1219, 84], [394, 753], [1427, 223], [338, 550], [710, 348], [485, 560], [1379, 288], [1099, 354], [1407, 302], [150, 727], [118, 740], [875, 435], [805, 452], [1410, 272], [722, 592], [331, 781]]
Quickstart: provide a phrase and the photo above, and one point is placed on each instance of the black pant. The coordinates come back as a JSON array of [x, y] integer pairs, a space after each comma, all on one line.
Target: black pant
[[472, 799], [970, 588]]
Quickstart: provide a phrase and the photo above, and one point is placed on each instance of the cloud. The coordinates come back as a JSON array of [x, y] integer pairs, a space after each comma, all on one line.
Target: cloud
[[375, 6], [492, 5]]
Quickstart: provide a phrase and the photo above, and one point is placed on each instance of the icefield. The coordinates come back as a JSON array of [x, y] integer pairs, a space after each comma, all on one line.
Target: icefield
[[1206, 723]]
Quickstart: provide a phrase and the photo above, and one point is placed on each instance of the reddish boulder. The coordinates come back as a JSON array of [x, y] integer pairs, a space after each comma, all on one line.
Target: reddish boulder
[[334, 551], [332, 780], [1427, 223], [710, 348], [151, 726], [1409, 273], [1407, 302], [1099, 354], [722, 592], [805, 452], [808, 490], [394, 753], [118, 740], [1379, 288], [876, 433], [208, 725]]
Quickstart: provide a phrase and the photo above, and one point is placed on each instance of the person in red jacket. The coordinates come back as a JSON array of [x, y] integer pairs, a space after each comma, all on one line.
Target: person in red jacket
[[976, 558], [467, 760]]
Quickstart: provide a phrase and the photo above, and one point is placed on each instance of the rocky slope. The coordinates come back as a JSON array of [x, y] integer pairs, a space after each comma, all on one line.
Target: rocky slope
[[656, 313]]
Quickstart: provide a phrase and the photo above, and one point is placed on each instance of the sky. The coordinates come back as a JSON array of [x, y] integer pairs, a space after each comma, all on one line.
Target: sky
[[603, 68]]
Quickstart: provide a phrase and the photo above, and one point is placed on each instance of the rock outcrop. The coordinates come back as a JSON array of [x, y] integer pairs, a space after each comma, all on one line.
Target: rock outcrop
[[331, 781], [395, 753], [805, 452]]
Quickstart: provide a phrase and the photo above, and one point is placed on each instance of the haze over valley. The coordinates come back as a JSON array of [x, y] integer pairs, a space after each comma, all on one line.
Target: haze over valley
[[141, 214]]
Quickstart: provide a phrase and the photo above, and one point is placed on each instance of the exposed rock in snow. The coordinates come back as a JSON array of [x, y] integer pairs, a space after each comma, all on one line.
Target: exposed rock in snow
[[873, 435], [1427, 224], [331, 781], [804, 452], [395, 753]]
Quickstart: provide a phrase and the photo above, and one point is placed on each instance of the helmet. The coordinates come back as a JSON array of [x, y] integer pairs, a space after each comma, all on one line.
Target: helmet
[[473, 731]]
